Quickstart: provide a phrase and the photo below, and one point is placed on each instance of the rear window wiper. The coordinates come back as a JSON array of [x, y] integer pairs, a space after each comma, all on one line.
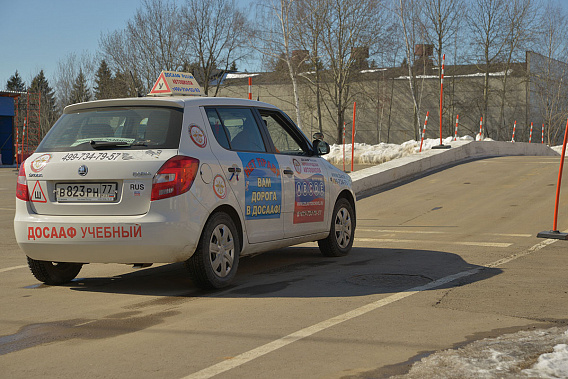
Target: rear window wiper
[[97, 145]]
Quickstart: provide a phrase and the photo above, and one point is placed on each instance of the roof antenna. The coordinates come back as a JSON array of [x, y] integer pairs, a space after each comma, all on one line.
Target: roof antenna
[[135, 87]]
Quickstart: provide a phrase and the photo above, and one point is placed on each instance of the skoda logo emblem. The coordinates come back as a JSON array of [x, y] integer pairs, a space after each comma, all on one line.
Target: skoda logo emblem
[[83, 170]]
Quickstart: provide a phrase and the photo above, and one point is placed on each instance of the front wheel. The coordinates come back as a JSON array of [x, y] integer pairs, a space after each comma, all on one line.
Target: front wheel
[[54, 273], [340, 239], [215, 262]]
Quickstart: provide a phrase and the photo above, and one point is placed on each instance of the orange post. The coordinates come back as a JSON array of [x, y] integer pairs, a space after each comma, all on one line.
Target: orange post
[[555, 224], [250, 88], [424, 131], [343, 147], [457, 123], [353, 136], [442, 95]]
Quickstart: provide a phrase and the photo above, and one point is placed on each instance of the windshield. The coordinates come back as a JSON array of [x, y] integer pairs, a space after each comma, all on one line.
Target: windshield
[[115, 128]]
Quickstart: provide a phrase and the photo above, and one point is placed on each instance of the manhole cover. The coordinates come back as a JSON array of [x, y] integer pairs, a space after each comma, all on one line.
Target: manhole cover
[[398, 281]]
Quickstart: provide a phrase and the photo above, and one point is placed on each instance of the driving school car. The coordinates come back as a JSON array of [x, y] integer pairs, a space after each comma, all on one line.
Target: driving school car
[[164, 179]]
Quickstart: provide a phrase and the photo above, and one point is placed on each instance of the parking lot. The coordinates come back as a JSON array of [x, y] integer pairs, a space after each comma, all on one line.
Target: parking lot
[[437, 262]]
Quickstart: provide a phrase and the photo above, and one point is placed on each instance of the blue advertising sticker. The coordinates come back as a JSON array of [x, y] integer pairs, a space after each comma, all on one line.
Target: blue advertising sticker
[[263, 186]]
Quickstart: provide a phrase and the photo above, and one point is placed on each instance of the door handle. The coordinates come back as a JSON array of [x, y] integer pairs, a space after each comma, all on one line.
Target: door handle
[[234, 169], [288, 172]]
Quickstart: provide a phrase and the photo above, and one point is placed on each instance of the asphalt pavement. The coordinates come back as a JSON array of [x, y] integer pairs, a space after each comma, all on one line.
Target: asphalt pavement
[[437, 262]]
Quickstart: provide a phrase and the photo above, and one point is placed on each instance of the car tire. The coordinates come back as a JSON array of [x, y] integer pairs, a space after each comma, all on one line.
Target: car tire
[[340, 239], [54, 273], [215, 262]]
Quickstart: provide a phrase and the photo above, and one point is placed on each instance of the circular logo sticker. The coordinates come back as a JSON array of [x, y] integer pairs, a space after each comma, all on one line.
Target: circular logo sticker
[[219, 187], [40, 162], [297, 166], [197, 135]]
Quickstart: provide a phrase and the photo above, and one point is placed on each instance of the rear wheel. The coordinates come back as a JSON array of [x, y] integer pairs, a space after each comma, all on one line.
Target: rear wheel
[[340, 239], [54, 273], [214, 263]]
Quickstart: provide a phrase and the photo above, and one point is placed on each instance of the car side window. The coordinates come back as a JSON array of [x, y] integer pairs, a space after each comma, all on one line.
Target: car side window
[[236, 129], [283, 141], [218, 129]]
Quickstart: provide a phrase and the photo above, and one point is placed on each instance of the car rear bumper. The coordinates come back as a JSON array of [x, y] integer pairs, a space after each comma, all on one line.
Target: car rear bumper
[[169, 232]]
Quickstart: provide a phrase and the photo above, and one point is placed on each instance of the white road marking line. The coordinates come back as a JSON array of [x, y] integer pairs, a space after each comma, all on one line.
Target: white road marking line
[[363, 229], [250, 355], [85, 323], [398, 231], [12, 268], [8, 209], [483, 244]]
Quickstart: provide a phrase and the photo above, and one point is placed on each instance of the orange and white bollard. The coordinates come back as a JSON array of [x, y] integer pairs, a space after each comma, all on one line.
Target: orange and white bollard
[[250, 88], [530, 134], [514, 128], [542, 135], [456, 132], [480, 127], [343, 147], [424, 131]]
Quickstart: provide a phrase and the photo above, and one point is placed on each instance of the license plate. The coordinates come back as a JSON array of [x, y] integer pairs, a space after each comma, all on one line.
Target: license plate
[[86, 192]]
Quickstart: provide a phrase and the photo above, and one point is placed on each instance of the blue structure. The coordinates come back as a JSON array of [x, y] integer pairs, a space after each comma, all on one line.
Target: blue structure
[[7, 128]]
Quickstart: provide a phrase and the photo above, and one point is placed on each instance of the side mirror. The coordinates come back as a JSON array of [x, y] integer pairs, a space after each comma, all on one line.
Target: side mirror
[[321, 147]]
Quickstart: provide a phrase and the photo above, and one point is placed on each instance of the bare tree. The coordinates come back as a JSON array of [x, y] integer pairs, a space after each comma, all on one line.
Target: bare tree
[[351, 28], [520, 18], [442, 20], [314, 12], [66, 72], [276, 37], [549, 74], [408, 12], [216, 32], [151, 42], [487, 21]]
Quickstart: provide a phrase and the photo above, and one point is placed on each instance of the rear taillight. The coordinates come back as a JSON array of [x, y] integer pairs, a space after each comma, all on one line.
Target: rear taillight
[[174, 177], [22, 185]]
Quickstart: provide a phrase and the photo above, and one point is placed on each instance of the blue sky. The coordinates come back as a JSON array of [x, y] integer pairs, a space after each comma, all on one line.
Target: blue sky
[[36, 34]]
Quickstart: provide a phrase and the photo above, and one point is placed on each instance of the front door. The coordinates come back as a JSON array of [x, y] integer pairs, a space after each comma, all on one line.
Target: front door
[[303, 178]]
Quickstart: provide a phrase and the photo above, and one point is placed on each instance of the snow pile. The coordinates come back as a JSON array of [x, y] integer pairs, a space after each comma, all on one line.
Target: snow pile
[[558, 149], [384, 152], [502, 357]]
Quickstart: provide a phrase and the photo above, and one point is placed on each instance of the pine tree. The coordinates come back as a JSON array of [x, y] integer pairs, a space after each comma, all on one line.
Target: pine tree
[[104, 82], [15, 83], [49, 114], [80, 91]]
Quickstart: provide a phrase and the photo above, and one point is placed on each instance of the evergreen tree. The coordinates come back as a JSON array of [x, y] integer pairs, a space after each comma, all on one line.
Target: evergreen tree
[[80, 91], [48, 110], [15, 83], [104, 82]]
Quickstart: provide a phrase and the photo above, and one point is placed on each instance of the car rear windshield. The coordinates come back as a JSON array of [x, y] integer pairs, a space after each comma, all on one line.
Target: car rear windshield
[[115, 128]]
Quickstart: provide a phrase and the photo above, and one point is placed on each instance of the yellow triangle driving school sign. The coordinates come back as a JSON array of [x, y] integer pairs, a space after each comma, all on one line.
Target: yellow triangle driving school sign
[[173, 83]]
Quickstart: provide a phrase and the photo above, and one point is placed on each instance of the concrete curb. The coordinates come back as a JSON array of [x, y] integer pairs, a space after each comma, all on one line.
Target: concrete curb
[[430, 160]]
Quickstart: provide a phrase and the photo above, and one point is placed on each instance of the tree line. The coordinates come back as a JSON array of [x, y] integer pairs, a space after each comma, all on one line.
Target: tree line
[[324, 45]]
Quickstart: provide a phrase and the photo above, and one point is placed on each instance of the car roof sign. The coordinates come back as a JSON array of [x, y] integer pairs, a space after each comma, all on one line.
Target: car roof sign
[[173, 83]]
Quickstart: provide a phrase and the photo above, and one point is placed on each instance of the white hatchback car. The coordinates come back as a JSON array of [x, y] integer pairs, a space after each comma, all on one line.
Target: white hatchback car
[[160, 180]]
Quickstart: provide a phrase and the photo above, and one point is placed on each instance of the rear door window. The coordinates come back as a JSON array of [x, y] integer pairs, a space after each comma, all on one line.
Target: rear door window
[[236, 129]]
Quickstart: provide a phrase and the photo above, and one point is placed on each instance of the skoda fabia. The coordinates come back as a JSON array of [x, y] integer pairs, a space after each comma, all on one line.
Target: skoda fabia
[[177, 179]]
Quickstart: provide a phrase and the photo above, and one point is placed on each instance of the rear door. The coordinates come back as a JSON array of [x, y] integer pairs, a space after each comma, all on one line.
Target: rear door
[[252, 172]]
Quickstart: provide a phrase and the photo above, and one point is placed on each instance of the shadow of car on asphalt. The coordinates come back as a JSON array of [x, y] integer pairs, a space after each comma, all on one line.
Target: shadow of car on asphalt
[[301, 272]]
